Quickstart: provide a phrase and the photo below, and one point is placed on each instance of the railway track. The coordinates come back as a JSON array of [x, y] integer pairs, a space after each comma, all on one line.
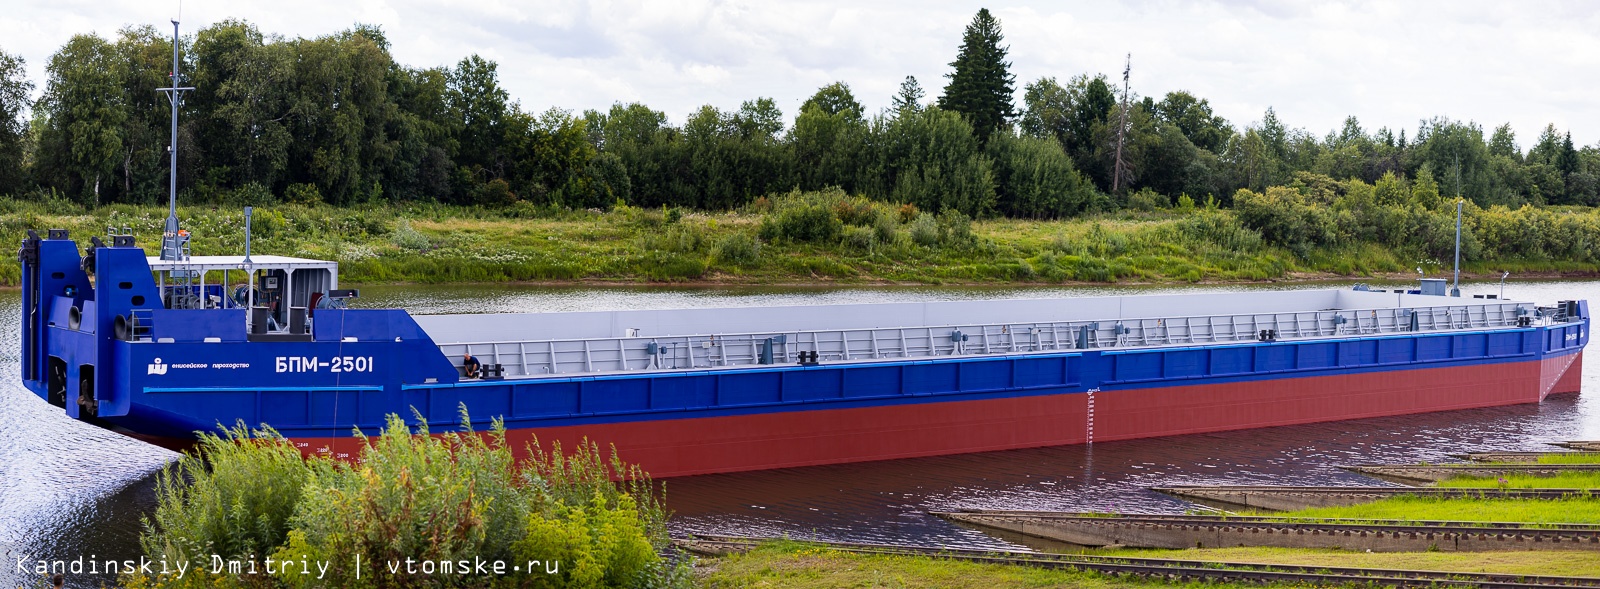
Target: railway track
[[1524, 457], [1189, 531], [1179, 570], [1426, 473], [1405, 525], [1281, 498]]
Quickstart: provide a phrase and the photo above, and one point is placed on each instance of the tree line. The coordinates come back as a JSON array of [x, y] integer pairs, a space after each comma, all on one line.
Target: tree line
[[335, 119]]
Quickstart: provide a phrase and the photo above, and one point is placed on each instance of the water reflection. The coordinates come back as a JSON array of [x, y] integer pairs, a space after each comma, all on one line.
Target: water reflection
[[888, 501], [69, 489]]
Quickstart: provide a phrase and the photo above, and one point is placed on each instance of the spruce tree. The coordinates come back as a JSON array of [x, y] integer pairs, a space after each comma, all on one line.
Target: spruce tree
[[981, 85], [909, 97], [1567, 158]]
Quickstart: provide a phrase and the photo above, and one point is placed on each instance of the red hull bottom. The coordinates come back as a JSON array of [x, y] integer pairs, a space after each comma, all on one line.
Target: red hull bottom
[[680, 447], [1567, 372]]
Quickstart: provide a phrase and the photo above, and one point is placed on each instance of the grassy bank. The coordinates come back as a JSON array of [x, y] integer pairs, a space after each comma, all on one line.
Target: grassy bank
[[791, 565], [1566, 480], [1577, 510], [1579, 563], [1571, 458], [799, 238]]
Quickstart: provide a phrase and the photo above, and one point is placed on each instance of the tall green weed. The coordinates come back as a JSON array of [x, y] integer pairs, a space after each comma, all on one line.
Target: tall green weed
[[412, 497]]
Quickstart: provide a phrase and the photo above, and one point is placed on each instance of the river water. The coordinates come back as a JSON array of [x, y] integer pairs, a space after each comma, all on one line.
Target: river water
[[69, 489]]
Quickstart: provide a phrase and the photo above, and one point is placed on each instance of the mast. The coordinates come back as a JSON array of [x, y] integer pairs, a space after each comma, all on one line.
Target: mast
[[171, 245], [1455, 291]]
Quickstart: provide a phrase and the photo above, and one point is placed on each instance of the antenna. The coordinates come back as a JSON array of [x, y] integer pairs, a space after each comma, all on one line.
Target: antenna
[[171, 245], [1458, 175], [1455, 291]]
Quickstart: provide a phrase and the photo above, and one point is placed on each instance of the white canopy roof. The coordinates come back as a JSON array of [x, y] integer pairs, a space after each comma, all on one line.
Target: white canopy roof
[[260, 262]]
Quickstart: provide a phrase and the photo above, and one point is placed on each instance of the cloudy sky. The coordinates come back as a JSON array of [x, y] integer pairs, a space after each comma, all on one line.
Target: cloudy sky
[[1389, 63]]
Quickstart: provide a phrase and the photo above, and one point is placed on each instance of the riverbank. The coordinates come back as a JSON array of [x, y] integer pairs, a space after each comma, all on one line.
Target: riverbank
[[794, 240], [794, 565], [787, 564]]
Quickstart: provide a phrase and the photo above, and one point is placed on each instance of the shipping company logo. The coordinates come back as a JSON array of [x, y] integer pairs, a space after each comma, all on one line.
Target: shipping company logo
[[158, 367]]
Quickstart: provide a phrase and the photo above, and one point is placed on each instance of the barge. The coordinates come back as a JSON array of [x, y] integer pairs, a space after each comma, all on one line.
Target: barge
[[164, 347]]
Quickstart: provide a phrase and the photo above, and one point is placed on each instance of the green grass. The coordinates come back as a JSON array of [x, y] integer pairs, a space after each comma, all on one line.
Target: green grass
[[431, 243], [792, 565], [1560, 563], [1577, 510], [1571, 458], [1566, 480], [1553, 458]]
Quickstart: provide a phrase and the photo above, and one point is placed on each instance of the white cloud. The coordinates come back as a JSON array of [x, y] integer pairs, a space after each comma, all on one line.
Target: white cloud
[[707, 74], [1390, 64]]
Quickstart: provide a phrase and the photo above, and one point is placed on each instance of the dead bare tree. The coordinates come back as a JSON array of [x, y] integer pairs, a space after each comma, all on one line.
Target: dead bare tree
[[1119, 167]]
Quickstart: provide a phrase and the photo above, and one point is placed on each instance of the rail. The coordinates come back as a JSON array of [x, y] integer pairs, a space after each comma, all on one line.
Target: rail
[[1508, 456], [139, 325], [1373, 493], [1590, 532], [682, 352]]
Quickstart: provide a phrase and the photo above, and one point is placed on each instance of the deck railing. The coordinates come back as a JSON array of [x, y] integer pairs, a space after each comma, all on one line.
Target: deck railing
[[684, 352]]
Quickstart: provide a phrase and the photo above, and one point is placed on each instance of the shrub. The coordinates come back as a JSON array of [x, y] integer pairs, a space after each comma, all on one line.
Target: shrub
[[494, 193], [412, 495], [642, 218], [737, 249], [408, 498], [925, 230], [407, 238], [214, 500], [526, 210], [251, 195], [853, 211], [760, 206], [804, 222], [907, 212], [598, 544], [1148, 200], [1284, 217], [860, 238], [886, 227], [955, 228], [1035, 178], [678, 238], [267, 224], [1222, 229], [302, 194], [1061, 243]]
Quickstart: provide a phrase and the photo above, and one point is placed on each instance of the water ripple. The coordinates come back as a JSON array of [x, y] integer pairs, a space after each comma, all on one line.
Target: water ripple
[[70, 489]]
